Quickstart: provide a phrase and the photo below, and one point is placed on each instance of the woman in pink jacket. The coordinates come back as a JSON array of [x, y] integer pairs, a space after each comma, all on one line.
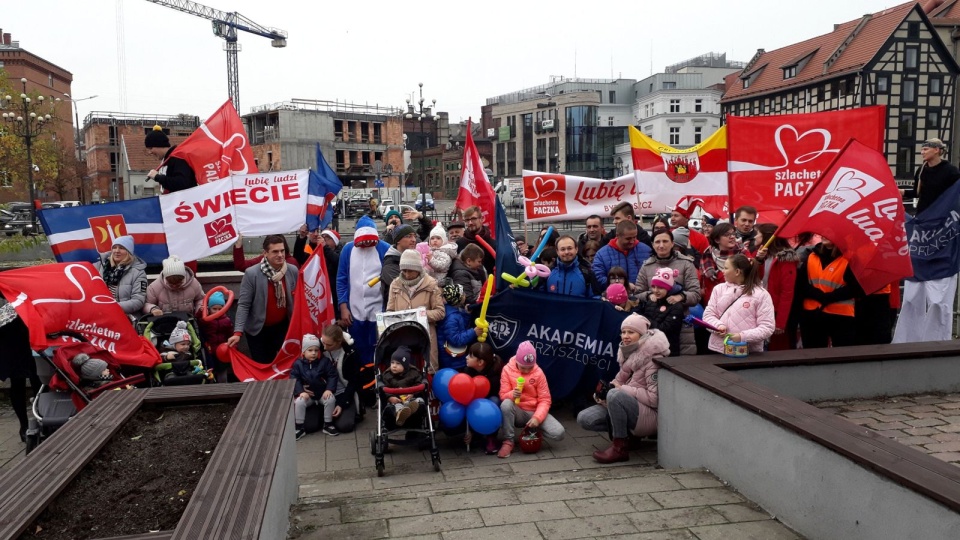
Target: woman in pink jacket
[[175, 290], [630, 406], [527, 406], [740, 308]]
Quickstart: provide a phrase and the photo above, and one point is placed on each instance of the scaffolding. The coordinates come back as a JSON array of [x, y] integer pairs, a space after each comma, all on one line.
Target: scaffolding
[[710, 59], [319, 105], [120, 118]]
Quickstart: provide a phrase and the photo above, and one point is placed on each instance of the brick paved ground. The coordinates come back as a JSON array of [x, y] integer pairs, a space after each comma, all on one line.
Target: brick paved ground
[[928, 422]]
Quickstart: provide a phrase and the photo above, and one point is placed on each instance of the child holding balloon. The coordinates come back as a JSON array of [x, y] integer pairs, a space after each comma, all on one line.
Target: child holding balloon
[[483, 362], [527, 405]]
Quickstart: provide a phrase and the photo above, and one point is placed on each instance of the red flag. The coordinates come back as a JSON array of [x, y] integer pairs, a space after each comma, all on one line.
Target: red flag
[[73, 297], [475, 188], [218, 148], [312, 312], [857, 206], [774, 160]]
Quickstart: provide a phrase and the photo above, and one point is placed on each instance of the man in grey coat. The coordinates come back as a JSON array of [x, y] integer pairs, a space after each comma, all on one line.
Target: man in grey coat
[[266, 302]]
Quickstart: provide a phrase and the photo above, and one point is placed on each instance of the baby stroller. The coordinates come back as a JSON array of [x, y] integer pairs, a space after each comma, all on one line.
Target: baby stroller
[[61, 395], [158, 330], [413, 335]]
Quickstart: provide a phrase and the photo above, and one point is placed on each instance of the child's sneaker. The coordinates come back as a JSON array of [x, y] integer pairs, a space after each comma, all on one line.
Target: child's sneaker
[[403, 412], [331, 429], [491, 445], [505, 449], [301, 433], [414, 406]]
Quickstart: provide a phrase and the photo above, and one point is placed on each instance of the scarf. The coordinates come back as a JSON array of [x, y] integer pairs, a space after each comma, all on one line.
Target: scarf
[[411, 284], [113, 274], [627, 350], [276, 276], [714, 260]]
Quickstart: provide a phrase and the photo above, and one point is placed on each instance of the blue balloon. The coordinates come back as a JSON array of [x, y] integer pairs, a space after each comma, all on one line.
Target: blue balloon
[[484, 416], [697, 311], [452, 414], [440, 384]]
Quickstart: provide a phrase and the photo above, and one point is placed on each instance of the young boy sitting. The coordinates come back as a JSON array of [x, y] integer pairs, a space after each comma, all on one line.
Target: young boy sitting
[[313, 373], [402, 375], [529, 405]]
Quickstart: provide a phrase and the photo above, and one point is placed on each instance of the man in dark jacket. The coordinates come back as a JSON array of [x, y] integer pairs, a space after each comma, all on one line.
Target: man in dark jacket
[[625, 212], [473, 217], [404, 239], [413, 218], [594, 231], [175, 174], [572, 276]]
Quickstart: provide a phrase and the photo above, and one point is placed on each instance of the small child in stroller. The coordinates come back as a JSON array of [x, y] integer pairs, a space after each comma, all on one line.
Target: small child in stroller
[[93, 372], [311, 372], [180, 358], [402, 375]]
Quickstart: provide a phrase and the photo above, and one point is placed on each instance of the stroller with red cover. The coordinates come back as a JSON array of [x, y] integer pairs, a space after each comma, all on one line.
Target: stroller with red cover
[[62, 394]]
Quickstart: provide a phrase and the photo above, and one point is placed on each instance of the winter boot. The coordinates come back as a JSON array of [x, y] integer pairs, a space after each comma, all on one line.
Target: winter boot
[[616, 452]]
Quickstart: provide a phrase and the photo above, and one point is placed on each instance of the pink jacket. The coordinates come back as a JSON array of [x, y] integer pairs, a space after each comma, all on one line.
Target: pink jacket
[[638, 377], [749, 314], [187, 297], [535, 395]]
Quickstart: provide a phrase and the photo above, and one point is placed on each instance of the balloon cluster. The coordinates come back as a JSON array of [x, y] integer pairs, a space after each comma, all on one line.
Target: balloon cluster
[[532, 271], [465, 397]]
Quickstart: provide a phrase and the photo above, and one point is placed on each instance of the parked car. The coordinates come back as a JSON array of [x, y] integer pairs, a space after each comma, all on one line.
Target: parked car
[[402, 208], [21, 224], [358, 205], [6, 216], [384, 203], [60, 204], [420, 204]]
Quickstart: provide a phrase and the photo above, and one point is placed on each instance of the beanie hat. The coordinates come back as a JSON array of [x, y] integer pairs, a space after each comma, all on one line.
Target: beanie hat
[[526, 354], [934, 143], [332, 234], [410, 260], [386, 217], [126, 242], [179, 333], [452, 292], [637, 323], [366, 234], [617, 293], [217, 299], [402, 231], [402, 355], [712, 221], [309, 340], [438, 231], [90, 368], [681, 236], [173, 266], [686, 205], [664, 278], [156, 138]]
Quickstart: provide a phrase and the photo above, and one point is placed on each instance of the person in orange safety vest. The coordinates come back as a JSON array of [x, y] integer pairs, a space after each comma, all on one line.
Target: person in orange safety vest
[[829, 292]]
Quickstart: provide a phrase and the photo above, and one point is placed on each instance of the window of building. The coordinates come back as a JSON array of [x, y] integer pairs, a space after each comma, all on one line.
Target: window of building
[[746, 83], [674, 136], [669, 85], [909, 93], [674, 105], [613, 96], [933, 119], [905, 162], [609, 120], [913, 29], [906, 130], [697, 134], [698, 105], [911, 58], [783, 102], [935, 85], [883, 83], [789, 72]]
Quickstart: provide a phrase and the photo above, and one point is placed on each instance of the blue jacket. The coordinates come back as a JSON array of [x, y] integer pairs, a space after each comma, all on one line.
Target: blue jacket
[[574, 278], [456, 328], [319, 375], [610, 256]]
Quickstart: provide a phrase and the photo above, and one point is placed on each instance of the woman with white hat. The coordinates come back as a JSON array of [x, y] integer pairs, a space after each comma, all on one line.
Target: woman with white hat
[[125, 275]]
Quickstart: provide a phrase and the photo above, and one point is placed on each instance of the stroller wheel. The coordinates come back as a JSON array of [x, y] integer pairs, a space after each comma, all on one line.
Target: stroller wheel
[[380, 467], [435, 457], [373, 443], [33, 440]]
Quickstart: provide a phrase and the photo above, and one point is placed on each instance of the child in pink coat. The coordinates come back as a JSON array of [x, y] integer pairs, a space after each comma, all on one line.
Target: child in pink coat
[[739, 307], [529, 406]]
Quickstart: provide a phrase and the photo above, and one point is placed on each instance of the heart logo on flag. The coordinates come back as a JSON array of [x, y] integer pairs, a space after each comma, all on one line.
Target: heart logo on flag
[[86, 277], [809, 156], [544, 187]]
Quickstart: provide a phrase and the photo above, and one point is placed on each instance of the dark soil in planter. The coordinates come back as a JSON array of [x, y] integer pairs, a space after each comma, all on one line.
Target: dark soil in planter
[[141, 480]]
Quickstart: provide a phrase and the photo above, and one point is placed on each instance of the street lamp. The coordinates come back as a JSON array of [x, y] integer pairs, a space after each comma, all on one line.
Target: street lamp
[[422, 114], [27, 123], [618, 166], [76, 140]]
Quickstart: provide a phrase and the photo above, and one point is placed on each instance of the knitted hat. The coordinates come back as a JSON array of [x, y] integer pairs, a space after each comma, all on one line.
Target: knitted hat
[[664, 278], [456, 225], [452, 293], [410, 260], [173, 266], [637, 323], [681, 236], [617, 293], [90, 368], [126, 242], [309, 340], [686, 205], [333, 235], [526, 354], [179, 333], [402, 355], [156, 138], [934, 143], [438, 231], [217, 299], [386, 217], [712, 221], [366, 234], [401, 232]]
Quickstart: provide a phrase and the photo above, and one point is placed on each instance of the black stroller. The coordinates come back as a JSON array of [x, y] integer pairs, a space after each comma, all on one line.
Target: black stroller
[[410, 334]]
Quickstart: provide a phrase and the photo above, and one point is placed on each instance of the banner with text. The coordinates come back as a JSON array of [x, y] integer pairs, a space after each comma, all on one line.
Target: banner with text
[[561, 197], [204, 220], [775, 160]]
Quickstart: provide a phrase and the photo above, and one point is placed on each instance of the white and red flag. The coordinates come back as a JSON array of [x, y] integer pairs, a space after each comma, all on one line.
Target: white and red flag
[[475, 188], [856, 205], [218, 148], [312, 312]]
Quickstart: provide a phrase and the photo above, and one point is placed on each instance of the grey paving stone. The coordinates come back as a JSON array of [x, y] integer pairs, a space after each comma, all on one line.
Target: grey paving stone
[[483, 471], [700, 479], [679, 518], [435, 536], [525, 513], [586, 527], [434, 523], [361, 530], [675, 534], [742, 512], [520, 530], [394, 507], [580, 490], [545, 465], [643, 502], [316, 517], [752, 530], [601, 506], [473, 499], [411, 479], [310, 462], [696, 497], [647, 484], [343, 464], [324, 489]]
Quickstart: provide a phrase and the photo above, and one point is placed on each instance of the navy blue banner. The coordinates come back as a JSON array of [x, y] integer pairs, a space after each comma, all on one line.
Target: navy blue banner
[[576, 338], [932, 235]]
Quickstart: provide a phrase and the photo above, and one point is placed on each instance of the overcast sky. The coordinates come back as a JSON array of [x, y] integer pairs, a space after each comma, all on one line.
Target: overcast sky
[[377, 51]]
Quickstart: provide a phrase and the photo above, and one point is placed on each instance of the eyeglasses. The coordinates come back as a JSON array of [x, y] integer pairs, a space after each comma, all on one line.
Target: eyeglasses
[[730, 235], [474, 218]]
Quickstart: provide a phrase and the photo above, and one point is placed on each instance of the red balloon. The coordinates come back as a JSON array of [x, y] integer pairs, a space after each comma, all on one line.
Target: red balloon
[[481, 387], [461, 388], [223, 353]]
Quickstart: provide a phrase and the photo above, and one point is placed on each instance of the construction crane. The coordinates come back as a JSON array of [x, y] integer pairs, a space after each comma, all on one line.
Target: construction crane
[[225, 25]]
